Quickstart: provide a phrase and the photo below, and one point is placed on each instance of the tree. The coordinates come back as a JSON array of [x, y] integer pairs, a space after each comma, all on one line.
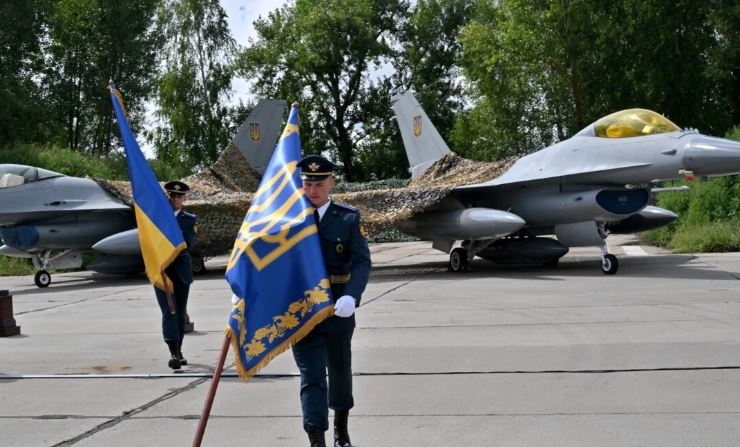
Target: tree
[[541, 71], [429, 59], [326, 55], [22, 110], [92, 42], [194, 84]]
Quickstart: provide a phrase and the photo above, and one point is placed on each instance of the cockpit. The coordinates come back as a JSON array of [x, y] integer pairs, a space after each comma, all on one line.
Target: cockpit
[[16, 175], [630, 123]]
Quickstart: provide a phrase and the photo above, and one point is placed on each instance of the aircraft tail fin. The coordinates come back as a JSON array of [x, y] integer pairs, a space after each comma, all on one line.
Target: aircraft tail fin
[[258, 135], [423, 144]]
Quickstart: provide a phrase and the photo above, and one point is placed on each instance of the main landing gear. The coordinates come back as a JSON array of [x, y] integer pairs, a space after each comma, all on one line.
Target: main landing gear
[[42, 278], [609, 262], [459, 261], [460, 257], [53, 259]]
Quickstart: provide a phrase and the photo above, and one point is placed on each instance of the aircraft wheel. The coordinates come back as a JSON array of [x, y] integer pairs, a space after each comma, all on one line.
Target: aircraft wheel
[[198, 265], [459, 260], [610, 264], [42, 278]]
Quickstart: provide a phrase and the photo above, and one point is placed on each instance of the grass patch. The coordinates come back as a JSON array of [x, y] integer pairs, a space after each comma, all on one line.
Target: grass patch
[[15, 266], [712, 237]]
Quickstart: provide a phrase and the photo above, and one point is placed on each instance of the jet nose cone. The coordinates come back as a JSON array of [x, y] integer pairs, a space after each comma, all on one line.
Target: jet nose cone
[[712, 156]]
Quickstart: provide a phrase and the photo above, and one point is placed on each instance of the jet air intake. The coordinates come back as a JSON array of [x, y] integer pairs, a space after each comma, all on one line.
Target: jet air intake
[[462, 224]]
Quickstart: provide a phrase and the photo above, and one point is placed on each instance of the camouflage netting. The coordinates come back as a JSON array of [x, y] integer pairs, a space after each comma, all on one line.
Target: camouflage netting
[[383, 209], [453, 170], [220, 195], [229, 173]]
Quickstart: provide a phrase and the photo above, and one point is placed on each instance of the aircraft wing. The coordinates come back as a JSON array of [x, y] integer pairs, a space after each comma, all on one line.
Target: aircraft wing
[[530, 176]]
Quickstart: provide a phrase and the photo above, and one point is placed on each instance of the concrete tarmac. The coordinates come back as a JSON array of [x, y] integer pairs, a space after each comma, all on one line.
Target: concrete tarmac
[[500, 356]]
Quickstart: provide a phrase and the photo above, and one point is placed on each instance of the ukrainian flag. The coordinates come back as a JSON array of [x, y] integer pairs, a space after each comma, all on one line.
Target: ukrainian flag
[[276, 267], [159, 234]]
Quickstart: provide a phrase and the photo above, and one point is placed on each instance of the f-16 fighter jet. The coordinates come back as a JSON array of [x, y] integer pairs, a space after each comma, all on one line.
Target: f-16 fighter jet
[[579, 190], [53, 218]]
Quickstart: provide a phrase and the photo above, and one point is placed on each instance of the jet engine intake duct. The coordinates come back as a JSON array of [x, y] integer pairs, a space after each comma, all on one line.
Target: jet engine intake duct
[[462, 224], [623, 202]]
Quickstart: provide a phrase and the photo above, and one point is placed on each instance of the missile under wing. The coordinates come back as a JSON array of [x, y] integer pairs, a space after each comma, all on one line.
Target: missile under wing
[[579, 190], [53, 219]]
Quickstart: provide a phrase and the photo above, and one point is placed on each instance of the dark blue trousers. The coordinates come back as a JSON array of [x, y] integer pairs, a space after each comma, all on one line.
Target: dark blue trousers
[[173, 326], [315, 355]]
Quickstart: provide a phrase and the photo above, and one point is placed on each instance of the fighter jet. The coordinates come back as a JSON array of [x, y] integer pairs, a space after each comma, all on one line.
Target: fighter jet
[[579, 190], [53, 218]]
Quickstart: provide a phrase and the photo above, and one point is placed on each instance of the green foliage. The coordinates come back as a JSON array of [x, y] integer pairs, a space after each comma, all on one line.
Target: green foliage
[[69, 162], [717, 236], [23, 111], [321, 55], [192, 91], [15, 266], [90, 43], [541, 71]]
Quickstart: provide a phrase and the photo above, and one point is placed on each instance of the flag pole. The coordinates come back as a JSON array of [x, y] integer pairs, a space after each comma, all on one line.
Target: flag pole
[[212, 392]]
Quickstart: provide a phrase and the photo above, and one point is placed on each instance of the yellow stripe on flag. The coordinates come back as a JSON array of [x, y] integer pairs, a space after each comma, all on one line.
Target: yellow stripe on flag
[[157, 250]]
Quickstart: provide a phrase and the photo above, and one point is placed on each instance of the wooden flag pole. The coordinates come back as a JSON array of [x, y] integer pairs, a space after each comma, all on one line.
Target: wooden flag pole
[[212, 392]]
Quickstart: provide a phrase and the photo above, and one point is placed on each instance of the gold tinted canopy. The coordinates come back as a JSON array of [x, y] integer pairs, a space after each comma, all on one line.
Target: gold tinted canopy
[[633, 123]]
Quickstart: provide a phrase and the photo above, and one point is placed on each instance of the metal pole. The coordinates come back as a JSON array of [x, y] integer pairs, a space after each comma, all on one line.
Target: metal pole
[[211, 392]]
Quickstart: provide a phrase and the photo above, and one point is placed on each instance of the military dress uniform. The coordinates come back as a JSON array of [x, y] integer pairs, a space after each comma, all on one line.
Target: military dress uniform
[[180, 272], [328, 346]]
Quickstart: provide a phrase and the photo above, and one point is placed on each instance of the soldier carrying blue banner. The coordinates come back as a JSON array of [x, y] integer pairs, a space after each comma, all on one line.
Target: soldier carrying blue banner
[[329, 346]]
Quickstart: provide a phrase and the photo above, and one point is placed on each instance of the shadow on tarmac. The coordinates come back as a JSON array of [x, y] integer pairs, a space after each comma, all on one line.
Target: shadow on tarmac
[[659, 267]]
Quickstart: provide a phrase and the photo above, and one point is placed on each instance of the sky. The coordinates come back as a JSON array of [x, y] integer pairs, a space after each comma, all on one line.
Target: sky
[[241, 14]]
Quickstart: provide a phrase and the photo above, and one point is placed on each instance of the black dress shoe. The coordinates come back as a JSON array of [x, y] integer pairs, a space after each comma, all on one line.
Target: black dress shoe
[[341, 434], [342, 442], [316, 438], [183, 360], [174, 363]]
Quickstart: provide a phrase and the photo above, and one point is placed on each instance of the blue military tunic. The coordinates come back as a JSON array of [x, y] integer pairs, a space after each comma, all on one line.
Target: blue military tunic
[[180, 271], [327, 348], [346, 256]]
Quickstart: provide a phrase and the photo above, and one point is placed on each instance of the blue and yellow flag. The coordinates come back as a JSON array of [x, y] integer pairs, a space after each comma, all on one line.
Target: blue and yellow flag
[[276, 267], [159, 235]]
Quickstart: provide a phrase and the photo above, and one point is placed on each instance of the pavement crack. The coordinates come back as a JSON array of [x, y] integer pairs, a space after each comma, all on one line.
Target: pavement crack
[[391, 290], [131, 413]]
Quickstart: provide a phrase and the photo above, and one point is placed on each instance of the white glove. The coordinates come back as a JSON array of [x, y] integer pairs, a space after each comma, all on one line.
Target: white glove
[[234, 299], [344, 307]]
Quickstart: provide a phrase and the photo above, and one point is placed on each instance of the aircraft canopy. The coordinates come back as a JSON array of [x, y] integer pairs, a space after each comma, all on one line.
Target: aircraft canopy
[[631, 123], [15, 175]]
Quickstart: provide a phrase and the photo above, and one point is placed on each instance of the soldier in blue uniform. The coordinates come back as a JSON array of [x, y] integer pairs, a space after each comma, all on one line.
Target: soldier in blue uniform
[[328, 347], [180, 271]]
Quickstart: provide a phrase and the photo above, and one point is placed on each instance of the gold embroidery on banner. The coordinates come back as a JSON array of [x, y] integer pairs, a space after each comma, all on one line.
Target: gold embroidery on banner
[[258, 224], [267, 334]]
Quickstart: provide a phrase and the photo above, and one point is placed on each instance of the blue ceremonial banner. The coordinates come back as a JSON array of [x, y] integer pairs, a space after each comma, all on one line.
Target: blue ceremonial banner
[[276, 267], [159, 235]]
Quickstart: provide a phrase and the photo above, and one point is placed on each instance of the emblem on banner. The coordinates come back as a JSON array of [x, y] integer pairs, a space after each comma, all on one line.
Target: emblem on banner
[[417, 125], [255, 132]]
